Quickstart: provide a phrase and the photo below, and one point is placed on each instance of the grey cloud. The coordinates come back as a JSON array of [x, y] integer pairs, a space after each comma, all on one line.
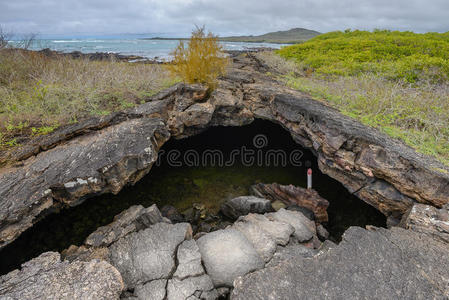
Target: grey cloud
[[220, 16]]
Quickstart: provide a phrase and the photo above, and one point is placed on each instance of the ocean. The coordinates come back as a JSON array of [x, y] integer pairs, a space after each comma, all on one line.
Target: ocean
[[131, 44]]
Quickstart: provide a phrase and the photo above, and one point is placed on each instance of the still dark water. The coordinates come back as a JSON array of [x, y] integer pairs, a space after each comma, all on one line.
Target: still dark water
[[209, 168]]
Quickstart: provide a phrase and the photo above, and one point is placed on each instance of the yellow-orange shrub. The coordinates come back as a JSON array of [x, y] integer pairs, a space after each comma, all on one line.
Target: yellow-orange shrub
[[201, 60]]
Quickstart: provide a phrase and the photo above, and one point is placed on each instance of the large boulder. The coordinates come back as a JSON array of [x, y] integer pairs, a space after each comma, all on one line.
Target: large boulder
[[46, 277], [133, 219], [148, 254], [304, 228], [189, 281], [279, 231], [380, 264], [227, 254], [244, 205], [264, 244]]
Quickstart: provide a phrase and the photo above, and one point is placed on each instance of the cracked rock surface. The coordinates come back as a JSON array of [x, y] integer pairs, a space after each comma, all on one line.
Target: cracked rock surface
[[46, 277], [263, 243], [428, 219], [130, 220], [189, 260], [379, 264], [199, 287], [148, 254], [154, 290], [104, 161]]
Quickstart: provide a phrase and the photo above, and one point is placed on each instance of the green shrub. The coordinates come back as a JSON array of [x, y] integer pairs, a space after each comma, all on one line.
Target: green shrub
[[394, 55]]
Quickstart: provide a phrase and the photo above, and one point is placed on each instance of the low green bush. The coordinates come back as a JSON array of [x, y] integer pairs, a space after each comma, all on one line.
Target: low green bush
[[394, 55]]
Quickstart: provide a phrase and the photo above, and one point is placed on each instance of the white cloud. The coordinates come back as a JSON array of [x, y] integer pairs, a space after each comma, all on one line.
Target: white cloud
[[221, 16]]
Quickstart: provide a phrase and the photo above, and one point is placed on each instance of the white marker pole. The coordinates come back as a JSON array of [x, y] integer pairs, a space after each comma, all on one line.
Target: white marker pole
[[309, 178]]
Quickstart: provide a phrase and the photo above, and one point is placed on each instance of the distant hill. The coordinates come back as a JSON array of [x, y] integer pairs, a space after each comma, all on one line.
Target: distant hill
[[292, 36]]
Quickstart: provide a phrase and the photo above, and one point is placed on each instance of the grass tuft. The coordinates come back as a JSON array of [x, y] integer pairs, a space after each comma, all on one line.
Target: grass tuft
[[40, 93]]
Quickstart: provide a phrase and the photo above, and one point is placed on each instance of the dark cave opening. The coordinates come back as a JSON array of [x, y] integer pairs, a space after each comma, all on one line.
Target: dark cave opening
[[209, 168]]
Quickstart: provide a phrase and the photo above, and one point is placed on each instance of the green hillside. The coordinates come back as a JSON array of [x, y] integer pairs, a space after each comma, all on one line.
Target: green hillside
[[292, 36]]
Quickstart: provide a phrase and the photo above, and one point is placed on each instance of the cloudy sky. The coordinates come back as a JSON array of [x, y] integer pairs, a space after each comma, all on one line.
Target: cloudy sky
[[221, 16]]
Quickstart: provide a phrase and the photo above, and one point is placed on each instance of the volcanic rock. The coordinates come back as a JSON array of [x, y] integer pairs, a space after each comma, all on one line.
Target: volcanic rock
[[46, 277], [244, 205]]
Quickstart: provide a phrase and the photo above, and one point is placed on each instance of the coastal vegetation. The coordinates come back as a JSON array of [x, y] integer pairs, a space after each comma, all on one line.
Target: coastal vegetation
[[40, 93], [393, 55], [395, 81], [200, 61]]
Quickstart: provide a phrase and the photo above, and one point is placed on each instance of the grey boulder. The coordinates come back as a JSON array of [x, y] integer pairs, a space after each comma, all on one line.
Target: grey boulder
[[227, 254], [244, 205], [304, 227], [264, 244], [46, 277], [148, 254], [279, 231]]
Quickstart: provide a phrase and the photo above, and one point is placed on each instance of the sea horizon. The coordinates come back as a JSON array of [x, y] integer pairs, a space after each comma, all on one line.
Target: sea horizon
[[139, 44]]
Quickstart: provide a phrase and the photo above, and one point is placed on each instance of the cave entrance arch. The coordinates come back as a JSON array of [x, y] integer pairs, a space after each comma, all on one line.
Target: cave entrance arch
[[208, 168]]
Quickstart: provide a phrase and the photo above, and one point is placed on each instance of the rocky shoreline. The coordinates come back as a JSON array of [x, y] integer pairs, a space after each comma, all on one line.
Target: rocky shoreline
[[111, 56], [99, 56]]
